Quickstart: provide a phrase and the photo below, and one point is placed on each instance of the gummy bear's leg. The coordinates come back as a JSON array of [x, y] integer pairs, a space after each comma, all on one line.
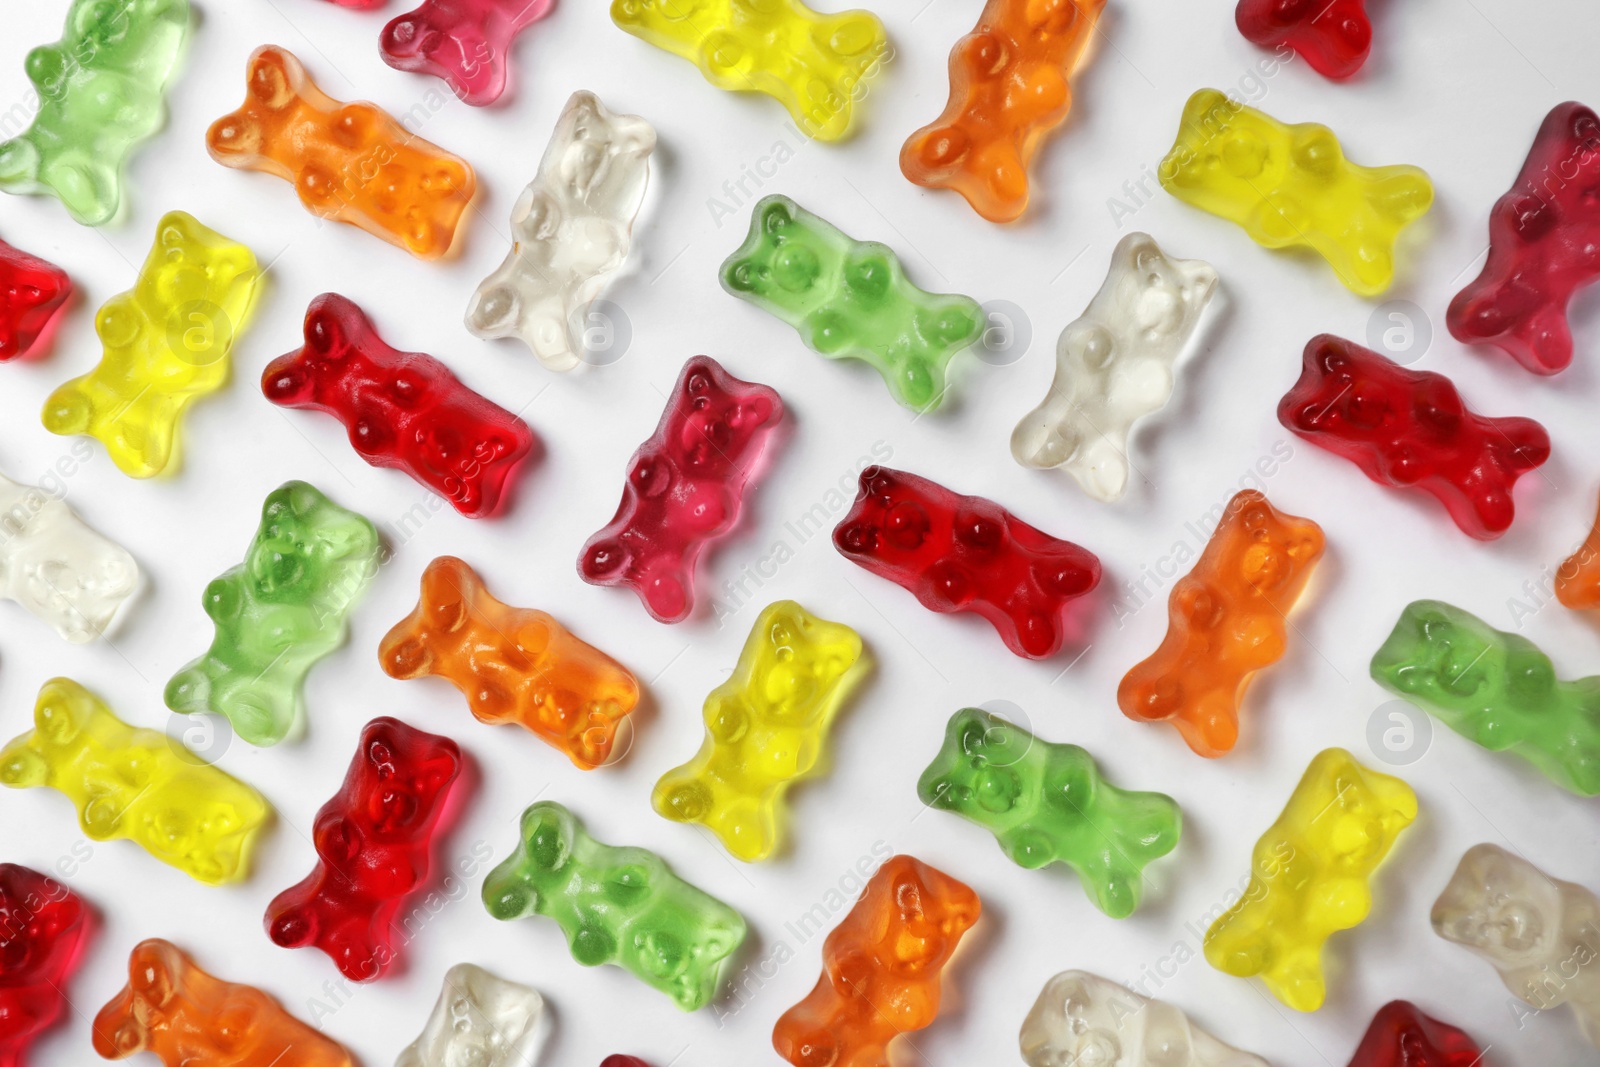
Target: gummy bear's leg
[[1115, 888], [261, 710], [495, 310], [21, 767], [682, 798], [1296, 978], [1212, 726], [189, 691], [293, 922], [87, 187], [917, 383], [19, 165], [748, 827], [68, 411], [666, 590]]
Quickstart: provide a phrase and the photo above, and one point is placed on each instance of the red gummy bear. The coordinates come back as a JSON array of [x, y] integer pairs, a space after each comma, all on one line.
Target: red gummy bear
[[360, 5], [43, 927], [1543, 237], [31, 293], [463, 42], [623, 1061], [965, 553], [374, 845], [685, 488], [1401, 1036], [1407, 428], [402, 409], [1334, 36]]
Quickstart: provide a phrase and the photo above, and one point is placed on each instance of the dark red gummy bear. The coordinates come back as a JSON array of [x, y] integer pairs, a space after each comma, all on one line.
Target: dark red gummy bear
[[965, 553], [374, 846], [1401, 1036], [1544, 244], [623, 1061], [31, 293], [43, 927], [1334, 36], [1408, 428], [402, 409], [685, 488]]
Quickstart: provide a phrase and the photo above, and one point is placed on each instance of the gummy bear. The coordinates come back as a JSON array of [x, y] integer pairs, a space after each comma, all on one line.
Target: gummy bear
[[403, 410], [851, 299], [1540, 933], [1333, 36], [1309, 877], [685, 488], [765, 728], [43, 928], [1495, 689], [967, 554], [278, 613], [56, 566], [100, 91], [616, 905], [1008, 88], [1115, 364], [464, 42], [480, 1020], [1542, 237], [1048, 803], [880, 968], [349, 162], [1411, 429], [1401, 1036], [515, 665], [1577, 580], [815, 65], [374, 839], [572, 229], [188, 1018], [32, 294], [1290, 186], [360, 5], [166, 342], [138, 784], [623, 1061], [1227, 619]]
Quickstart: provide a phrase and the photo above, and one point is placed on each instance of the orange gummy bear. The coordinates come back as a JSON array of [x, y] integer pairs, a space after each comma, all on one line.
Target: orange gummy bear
[[1008, 88], [349, 162], [1578, 577], [1227, 619], [880, 968], [189, 1018], [512, 664]]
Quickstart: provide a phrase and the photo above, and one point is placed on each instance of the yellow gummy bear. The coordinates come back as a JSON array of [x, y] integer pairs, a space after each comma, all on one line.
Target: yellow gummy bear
[[1292, 186], [136, 784], [166, 341], [812, 64], [765, 727], [1309, 876]]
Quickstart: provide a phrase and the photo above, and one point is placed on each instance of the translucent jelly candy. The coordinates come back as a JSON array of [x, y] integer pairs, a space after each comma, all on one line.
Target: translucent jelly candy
[[374, 841], [136, 784], [278, 613], [1411, 429], [850, 299], [965, 553], [616, 905], [1115, 364], [1310, 875], [1495, 689], [32, 294], [188, 1018], [685, 488], [1577, 580], [1401, 1036], [349, 162], [464, 42], [1048, 803], [479, 1020], [403, 410], [623, 1061], [515, 665], [1333, 36], [100, 93], [1227, 619], [166, 342], [765, 727], [880, 968], [1008, 88], [1290, 186], [43, 927], [812, 64], [572, 228]]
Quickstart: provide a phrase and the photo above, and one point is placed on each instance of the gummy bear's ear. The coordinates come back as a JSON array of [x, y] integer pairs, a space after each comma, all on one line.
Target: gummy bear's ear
[[775, 214], [548, 831], [152, 972], [271, 78], [325, 327]]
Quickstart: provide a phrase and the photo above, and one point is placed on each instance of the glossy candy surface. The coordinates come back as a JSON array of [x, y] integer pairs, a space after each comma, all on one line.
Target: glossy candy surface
[[1577, 580], [32, 294], [1401, 1036], [851, 299], [623, 1061], [1333, 36], [479, 1020], [43, 928], [1048, 803], [467, 43]]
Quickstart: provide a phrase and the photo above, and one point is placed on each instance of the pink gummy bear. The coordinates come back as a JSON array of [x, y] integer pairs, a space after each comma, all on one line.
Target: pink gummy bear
[[464, 42], [360, 5]]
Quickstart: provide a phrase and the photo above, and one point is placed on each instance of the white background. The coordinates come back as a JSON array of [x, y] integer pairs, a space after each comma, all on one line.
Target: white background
[[1456, 87]]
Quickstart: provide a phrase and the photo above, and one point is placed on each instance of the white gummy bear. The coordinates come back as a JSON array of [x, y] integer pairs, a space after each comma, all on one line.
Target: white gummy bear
[[480, 1020], [1083, 1020], [54, 565], [1115, 364], [571, 229], [1540, 933]]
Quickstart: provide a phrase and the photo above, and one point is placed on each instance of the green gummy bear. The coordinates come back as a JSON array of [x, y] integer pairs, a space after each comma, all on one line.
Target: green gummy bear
[[1495, 689], [850, 299], [1047, 803], [100, 93], [278, 612], [616, 905]]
